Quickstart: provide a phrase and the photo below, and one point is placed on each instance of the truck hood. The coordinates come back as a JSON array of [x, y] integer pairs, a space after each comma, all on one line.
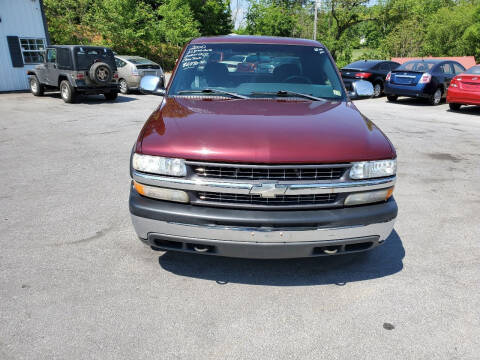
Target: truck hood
[[267, 131]]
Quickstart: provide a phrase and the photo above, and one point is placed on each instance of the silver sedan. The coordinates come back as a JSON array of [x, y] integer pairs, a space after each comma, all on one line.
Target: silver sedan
[[131, 69]]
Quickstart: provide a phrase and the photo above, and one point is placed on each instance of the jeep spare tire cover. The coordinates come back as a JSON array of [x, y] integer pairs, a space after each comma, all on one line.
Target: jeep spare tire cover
[[101, 73]]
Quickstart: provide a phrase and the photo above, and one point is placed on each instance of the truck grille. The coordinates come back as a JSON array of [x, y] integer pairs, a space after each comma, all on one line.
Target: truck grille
[[308, 172], [283, 200]]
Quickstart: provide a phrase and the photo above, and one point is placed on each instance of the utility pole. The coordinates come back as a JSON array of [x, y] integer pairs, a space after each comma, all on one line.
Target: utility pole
[[318, 3]]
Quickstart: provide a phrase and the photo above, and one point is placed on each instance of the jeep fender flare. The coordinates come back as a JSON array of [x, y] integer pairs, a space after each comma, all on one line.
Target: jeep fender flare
[[64, 76]]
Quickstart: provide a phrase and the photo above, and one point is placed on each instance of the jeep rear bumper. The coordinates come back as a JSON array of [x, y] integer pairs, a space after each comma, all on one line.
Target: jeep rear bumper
[[97, 90], [260, 234]]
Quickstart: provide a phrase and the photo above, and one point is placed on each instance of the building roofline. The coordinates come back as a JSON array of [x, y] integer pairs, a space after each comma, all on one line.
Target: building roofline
[[44, 19]]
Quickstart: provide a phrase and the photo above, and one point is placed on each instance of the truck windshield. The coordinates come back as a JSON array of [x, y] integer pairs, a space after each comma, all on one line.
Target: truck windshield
[[257, 70]]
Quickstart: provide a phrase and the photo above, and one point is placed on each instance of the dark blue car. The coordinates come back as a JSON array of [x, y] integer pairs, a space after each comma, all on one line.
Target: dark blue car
[[428, 78]]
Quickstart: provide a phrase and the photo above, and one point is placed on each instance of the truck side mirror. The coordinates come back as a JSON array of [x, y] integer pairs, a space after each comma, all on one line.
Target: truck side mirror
[[152, 85], [361, 89]]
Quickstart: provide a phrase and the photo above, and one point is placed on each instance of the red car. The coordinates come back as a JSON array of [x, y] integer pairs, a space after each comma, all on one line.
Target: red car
[[261, 165], [464, 89]]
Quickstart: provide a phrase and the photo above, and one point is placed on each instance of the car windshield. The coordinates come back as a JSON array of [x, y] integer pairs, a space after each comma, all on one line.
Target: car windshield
[[418, 66], [269, 69], [86, 56], [475, 70]]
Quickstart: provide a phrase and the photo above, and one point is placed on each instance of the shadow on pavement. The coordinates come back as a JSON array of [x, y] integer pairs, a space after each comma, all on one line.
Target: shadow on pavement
[[413, 101], [94, 99], [472, 110], [382, 261]]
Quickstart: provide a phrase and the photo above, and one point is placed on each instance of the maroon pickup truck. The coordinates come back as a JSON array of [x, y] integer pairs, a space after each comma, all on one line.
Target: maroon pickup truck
[[260, 164]]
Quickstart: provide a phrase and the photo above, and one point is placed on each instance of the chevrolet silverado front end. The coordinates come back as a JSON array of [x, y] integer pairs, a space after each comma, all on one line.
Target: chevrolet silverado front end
[[261, 165]]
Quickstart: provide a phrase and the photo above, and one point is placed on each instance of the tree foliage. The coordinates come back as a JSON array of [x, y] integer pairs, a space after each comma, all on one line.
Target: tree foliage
[[386, 28], [152, 28]]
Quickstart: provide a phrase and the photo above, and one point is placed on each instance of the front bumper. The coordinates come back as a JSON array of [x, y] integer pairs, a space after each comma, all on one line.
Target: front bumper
[[259, 233]]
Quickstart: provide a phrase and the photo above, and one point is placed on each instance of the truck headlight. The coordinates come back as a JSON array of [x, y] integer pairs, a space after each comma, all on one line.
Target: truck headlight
[[373, 169], [159, 165], [368, 197]]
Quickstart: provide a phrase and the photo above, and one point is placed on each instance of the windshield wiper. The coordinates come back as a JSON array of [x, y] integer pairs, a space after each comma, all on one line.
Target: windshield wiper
[[284, 93], [213, 91]]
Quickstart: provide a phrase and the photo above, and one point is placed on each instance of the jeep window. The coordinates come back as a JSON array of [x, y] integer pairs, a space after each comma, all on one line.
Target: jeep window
[[51, 55], [86, 56], [268, 68], [64, 59], [32, 50]]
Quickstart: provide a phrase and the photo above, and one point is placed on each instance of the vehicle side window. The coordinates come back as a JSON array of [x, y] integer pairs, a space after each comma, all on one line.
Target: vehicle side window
[[64, 59], [445, 69], [393, 65], [458, 68], [51, 55], [384, 66]]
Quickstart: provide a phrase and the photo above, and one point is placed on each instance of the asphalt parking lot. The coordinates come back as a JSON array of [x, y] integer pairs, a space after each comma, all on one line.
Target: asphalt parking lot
[[75, 283]]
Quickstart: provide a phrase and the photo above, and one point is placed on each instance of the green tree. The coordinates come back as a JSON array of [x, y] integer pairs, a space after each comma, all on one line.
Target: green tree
[[471, 36], [126, 25], [177, 25], [269, 18], [214, 16], [65, 20]]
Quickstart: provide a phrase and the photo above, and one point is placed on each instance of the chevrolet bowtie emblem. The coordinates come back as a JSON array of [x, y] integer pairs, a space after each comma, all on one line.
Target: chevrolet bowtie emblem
[[268, 190]]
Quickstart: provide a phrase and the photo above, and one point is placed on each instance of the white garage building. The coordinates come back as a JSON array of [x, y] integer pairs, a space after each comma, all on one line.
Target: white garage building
[[23, 37]]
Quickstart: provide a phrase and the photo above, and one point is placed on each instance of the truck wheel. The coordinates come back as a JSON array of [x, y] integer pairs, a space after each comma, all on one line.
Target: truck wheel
[[123, 86], [436, 98], [377, 90], [111, 96], [67, 92], [392, 98], [36, 88], [454, 107]]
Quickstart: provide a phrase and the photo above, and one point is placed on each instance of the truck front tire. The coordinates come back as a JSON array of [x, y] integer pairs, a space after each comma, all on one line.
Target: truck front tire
[[67, 92], [36, 88]]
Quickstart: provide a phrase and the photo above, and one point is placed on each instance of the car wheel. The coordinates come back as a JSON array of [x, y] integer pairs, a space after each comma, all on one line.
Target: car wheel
[[123, 86], [392, 98], [111, 96], [67, 92], [35, 87], [454, 107], [436, 98], [377, 90]]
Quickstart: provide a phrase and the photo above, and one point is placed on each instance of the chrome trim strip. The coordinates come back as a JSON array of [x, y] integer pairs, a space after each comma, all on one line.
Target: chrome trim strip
[[240, 187], [144, 226], [261, 166]]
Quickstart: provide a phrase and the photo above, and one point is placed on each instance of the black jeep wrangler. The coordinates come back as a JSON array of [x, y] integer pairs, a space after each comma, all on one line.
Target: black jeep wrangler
[[76, 69]]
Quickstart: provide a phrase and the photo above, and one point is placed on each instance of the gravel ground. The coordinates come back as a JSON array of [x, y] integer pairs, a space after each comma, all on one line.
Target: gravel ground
[[75, 283]]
